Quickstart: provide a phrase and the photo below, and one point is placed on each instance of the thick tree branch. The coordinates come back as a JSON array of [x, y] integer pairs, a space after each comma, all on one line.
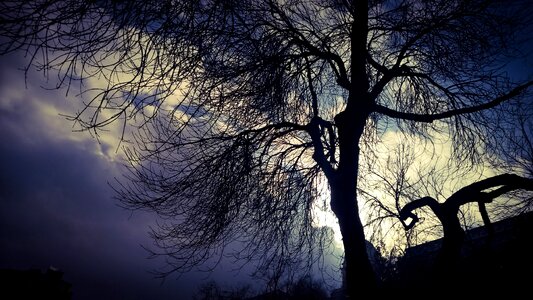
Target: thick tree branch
[[314, 97], [319, 155], [389, 74], [381, 68], [474, 192], [428, 118], [407, 211]]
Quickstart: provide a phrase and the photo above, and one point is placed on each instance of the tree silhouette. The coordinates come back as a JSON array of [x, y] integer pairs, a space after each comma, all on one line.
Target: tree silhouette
[[246, 107], [481, 192]]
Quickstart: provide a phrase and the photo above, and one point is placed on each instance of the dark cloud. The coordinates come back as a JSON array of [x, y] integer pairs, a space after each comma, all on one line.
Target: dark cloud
[[56, 208]]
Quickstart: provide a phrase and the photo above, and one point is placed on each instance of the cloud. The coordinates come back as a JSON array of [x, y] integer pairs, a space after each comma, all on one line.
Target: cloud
[[56, 207]]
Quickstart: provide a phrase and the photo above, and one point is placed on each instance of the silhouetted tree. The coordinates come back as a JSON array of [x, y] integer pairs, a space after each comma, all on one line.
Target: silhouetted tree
[[246, 107], [481, 192]]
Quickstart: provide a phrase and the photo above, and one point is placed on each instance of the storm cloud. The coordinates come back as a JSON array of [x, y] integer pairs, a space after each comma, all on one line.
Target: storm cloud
[[56, 206]]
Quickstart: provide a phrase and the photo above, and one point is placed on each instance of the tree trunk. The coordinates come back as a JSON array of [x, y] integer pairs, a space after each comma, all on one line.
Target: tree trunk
[[359, 275], [447, 263], [453, 239]]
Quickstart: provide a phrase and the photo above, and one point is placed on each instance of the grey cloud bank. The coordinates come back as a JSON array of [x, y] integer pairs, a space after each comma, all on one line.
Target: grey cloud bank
[[56, 208]]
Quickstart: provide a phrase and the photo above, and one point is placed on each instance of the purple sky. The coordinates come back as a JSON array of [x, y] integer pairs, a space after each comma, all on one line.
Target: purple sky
[[56, 208]]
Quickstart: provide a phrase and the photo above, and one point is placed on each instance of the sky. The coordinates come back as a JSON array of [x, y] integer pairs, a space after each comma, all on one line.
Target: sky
[[57, 208]]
